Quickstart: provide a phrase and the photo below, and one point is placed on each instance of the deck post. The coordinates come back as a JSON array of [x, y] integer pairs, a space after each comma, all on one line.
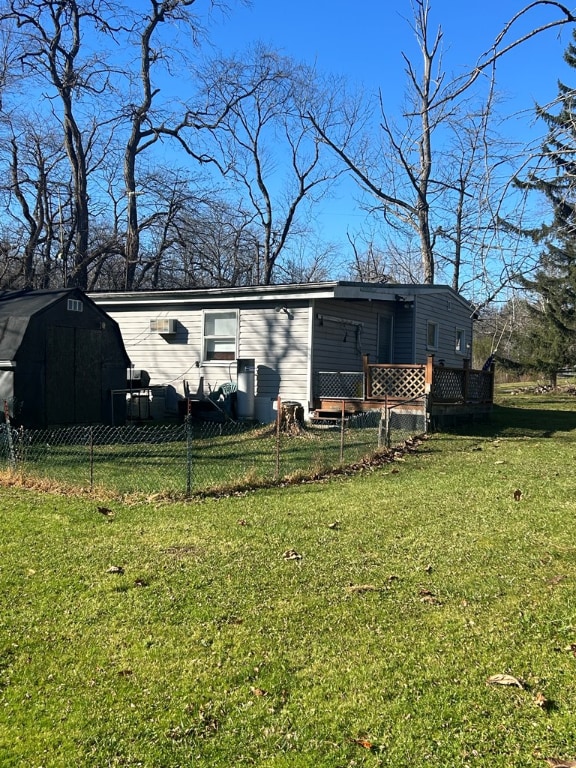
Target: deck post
[[466, 379], [492, 368], [366, 371], [429, 376]]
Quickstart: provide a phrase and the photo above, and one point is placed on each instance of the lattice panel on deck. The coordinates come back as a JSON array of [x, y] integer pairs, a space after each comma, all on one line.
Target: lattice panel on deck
[[480, 386], [401, 383], [448, 384]]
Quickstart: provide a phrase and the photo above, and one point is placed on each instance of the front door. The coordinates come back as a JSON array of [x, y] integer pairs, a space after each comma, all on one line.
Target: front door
[[385, 339]]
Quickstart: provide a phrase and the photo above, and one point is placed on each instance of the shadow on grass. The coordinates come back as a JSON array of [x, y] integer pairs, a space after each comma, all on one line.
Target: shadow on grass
[[508, 421]]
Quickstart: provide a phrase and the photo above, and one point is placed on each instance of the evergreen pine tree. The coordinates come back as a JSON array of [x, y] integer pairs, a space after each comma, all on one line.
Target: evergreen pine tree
[[548, 343]]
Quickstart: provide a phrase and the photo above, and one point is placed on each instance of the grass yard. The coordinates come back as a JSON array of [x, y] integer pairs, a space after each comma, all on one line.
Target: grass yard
[[353, 622]]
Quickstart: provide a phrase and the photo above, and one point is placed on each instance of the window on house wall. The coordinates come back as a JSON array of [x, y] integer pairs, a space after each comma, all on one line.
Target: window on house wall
[[432, 335], [220, 330], [460, 341], [74, 305]]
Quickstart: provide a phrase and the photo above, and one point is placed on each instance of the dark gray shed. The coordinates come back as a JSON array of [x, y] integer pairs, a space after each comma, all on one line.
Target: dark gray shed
[[60, 357]]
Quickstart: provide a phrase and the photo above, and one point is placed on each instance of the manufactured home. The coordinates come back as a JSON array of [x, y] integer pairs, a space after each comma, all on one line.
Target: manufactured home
[[287, 341]]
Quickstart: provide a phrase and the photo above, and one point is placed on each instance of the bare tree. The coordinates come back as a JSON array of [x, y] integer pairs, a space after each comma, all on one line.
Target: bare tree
[[35, 181], [147, 127], [266, 147], [50, 38], [406, 178]]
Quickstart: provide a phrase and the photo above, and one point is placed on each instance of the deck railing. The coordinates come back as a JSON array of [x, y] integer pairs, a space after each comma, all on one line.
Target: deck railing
[[341, 385], [382, 382], [399, 382], [461, 385]]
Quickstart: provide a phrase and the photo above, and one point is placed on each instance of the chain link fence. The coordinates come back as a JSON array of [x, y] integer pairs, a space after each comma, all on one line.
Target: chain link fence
[[196, 457]]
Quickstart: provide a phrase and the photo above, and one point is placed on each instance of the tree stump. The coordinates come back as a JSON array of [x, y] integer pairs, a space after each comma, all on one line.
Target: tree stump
[[291, 417]]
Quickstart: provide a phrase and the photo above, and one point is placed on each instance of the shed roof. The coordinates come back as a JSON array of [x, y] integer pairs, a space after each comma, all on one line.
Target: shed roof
[[17, 308], [26, 303]]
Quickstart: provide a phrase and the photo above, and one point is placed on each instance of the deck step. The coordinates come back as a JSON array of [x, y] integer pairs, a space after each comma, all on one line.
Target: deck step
[[331, 414]]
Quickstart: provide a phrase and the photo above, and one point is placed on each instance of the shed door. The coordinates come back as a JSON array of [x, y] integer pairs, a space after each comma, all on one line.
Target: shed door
[[385, 339], [73, 375]]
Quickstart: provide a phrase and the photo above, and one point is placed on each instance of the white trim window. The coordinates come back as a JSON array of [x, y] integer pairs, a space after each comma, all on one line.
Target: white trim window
[[431, 335], [74, 305], [460, 342], [220, 329]]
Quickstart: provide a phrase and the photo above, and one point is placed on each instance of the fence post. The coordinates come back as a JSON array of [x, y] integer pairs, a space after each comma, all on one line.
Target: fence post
[[11, 454], [278, 425], [91, 443], [188, 427], [342, 414]]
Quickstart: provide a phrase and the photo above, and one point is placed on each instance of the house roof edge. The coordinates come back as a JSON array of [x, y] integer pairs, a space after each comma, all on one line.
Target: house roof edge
[[338, 289]]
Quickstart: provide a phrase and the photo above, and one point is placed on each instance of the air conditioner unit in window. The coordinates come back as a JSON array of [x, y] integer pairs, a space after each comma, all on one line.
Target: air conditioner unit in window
[[164, 325]]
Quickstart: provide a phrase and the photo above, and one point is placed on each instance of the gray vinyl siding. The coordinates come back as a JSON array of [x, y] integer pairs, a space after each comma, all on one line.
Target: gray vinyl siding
[[278, 343], [170, 360], [450, 314], [339, 346]]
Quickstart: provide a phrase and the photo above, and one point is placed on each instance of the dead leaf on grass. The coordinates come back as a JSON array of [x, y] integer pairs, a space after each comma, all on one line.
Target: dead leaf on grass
[[359, 588], [365, 743], [541, 701], [291, 554], [504, 680], [258, 691], [517, 494], [105, 511], [558, 762], [556, 579], [335, 525], [430, 599], [115, 569]]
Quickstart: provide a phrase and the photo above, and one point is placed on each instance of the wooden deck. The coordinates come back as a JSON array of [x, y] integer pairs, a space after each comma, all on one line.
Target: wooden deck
[[445, 395]]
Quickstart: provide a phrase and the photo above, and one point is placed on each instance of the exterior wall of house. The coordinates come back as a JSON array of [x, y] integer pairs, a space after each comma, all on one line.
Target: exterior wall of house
[[343, 332], [453, 320], [277, 342]]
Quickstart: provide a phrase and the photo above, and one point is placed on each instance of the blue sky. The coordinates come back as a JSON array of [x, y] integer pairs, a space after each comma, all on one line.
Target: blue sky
[[365, 41], [366, 44]]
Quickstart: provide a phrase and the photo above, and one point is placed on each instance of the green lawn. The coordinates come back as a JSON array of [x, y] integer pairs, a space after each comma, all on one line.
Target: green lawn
[[417, 581]]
